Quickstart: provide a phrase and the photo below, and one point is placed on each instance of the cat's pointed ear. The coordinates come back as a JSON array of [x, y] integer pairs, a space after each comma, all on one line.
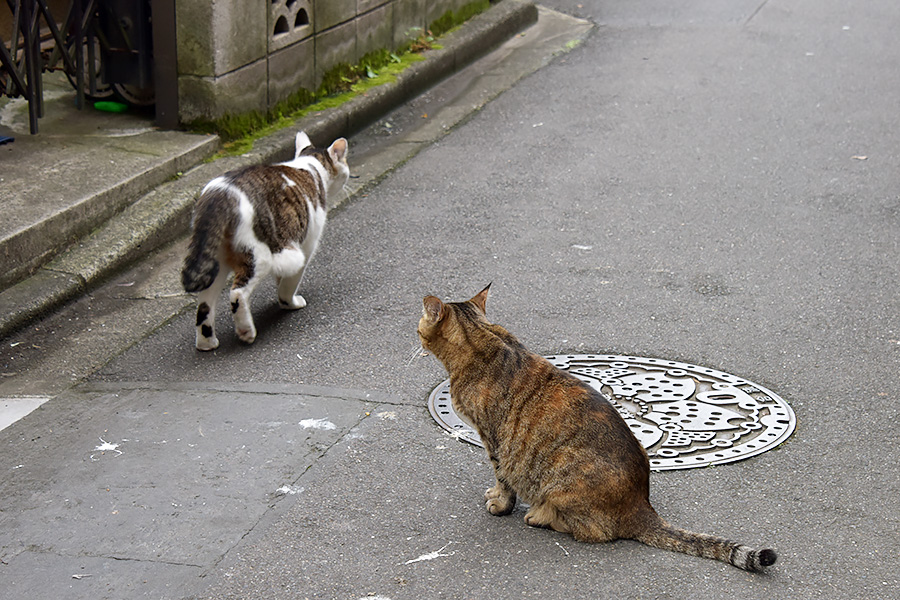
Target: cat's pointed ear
[[433, 310], [480, 299], [301, 143], [338, 150]]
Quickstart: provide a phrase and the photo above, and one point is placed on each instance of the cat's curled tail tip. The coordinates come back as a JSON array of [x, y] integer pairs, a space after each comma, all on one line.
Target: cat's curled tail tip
[[192, 288], [766, 557], [757, 560]]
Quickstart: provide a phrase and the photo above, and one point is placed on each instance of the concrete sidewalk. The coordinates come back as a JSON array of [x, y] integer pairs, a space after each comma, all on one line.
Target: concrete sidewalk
[[95, 191], [141, 490]]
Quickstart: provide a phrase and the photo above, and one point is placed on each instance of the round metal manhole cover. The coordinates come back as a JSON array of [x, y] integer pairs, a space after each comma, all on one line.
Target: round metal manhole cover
[[684, 415]]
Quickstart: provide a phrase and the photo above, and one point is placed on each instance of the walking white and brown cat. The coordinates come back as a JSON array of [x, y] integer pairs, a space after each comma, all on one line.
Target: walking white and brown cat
[[260, 220]]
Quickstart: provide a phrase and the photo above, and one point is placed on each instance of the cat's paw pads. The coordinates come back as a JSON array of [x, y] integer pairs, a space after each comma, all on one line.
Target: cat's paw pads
[[294, 303], [246, 335]]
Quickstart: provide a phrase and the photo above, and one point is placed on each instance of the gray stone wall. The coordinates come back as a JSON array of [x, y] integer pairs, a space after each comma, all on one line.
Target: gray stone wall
[[237, 56]]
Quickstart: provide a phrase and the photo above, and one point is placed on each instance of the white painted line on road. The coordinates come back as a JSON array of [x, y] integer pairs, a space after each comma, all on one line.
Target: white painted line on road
[[13, 409]]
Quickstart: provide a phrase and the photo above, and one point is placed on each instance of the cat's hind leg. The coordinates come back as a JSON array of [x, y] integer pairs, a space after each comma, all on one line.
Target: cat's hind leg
[[566, 513], [545, 514], [288, 265], [206, 312], [246, 279]]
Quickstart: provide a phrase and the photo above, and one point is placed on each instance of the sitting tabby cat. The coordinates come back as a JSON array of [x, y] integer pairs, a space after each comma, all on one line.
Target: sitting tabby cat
[[258, 220], [554, 440]]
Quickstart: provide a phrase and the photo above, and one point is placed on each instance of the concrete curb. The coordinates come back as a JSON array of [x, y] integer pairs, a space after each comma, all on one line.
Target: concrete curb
[[163, 214]]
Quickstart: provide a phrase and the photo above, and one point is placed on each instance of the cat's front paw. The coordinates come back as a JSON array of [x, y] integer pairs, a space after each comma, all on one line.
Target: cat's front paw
[[246, 335], [294, 303], [498, 501]]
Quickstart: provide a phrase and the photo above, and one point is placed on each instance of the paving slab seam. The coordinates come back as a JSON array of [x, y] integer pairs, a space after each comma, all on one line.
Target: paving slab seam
[[53, 286], [79, 555], [277, 506], [272, 510], [271, 389]]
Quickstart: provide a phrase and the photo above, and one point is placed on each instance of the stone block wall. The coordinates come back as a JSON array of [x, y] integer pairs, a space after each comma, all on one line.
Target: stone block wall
[[237, 56]]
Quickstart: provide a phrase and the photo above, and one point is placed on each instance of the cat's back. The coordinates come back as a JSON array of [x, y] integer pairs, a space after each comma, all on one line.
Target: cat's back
[[567, 407], [519, 386], [521, 404], [275, 186], [600, 427], [558, 424]]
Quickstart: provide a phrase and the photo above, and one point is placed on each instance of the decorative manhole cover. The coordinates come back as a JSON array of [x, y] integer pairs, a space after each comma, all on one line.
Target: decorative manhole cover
[[684, 415]]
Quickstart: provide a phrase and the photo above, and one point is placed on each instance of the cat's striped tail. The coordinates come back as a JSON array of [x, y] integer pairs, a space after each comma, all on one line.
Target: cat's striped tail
[[660, 534], [213, 217]]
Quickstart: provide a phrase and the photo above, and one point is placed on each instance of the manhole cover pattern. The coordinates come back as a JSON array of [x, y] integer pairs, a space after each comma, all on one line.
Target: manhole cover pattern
[[684, 415]]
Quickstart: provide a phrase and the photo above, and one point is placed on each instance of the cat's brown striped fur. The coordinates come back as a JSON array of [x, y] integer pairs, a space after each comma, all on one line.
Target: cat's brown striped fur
[[554, 441]]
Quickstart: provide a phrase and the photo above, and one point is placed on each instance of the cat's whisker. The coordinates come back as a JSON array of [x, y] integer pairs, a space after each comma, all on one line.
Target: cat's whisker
[[417, 351]]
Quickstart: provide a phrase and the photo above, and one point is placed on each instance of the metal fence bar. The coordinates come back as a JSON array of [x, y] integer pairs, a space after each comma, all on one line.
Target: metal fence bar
[[165, 68]]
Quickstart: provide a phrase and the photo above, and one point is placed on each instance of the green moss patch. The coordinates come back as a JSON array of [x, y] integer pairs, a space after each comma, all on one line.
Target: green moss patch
[[339, 85], [452, 19]]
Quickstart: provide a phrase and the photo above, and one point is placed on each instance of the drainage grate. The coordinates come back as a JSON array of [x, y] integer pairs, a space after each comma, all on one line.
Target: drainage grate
[[685, 415]]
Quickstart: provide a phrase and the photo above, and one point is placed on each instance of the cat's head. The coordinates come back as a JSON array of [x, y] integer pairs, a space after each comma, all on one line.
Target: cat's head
[[334, 159], [445, 328]]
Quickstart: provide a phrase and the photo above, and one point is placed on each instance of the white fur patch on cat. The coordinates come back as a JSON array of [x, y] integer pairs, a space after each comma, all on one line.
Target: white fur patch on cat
[[218, 182]]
